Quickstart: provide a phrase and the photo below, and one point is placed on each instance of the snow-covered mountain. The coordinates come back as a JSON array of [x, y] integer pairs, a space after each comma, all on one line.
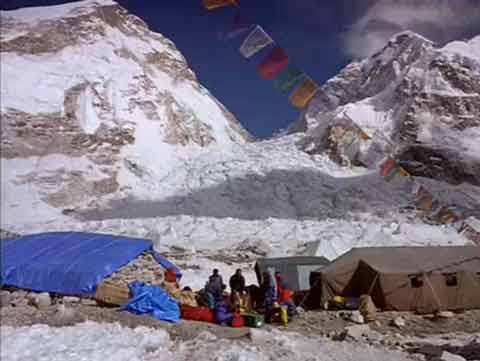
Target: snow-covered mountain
[[105, 128], [415, 100], [92, 99]]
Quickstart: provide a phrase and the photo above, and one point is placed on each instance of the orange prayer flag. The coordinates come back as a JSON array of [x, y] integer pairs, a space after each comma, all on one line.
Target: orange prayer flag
[[425, 203], [304, 93], [447, 216], [215, 4], [364, 136]]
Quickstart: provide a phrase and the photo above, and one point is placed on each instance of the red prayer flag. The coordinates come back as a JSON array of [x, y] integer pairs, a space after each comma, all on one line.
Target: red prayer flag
[[273, 64], [388, 167]]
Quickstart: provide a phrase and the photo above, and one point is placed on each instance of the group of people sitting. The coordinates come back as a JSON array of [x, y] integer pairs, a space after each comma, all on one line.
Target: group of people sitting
[[272, 295]]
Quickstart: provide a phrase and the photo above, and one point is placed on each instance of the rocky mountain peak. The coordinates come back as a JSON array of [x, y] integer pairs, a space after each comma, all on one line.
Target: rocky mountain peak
[[412, 100], [96, 68]]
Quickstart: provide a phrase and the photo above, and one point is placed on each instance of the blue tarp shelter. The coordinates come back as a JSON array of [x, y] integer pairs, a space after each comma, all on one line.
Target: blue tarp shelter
[[69, 263], [153, 301]]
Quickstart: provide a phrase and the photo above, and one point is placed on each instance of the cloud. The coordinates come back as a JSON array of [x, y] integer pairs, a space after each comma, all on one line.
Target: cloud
[[439, 20]]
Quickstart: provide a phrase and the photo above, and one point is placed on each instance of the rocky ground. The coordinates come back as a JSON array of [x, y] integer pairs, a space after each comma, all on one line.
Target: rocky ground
[[458, 334], [143, 268]]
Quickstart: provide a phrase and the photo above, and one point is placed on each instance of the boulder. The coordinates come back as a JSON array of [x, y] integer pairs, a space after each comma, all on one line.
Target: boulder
[[19, 298], [356, 332], [447, 356], [444, 314], [40, 300], [398, 322], [354, 317], [71, 299], [88, 302], [64, 312], [65, 316], [5, 298]]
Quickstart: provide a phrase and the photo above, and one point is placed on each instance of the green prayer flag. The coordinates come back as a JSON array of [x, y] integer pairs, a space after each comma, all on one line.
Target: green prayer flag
[[288, 79]]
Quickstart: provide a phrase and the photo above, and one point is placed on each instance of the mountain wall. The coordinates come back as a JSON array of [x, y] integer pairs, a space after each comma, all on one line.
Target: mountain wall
[[416, 101]]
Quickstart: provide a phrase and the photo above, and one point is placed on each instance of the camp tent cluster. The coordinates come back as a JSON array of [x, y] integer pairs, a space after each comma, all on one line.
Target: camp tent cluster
[[421, 279]]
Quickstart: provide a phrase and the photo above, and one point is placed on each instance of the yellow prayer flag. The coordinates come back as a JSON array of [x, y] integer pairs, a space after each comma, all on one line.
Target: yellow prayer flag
[[215, 4], [425, 203], [403, 173], [304, 93]]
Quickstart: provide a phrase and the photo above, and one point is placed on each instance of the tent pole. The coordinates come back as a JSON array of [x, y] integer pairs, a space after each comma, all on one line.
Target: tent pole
[[433, 291], [373, 284]]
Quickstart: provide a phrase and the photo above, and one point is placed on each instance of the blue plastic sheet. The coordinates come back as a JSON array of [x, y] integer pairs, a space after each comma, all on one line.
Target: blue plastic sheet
[[153, 301], [69, 263]]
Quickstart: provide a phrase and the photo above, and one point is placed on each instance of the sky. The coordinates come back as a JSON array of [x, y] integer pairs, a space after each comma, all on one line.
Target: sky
[[319, 36]]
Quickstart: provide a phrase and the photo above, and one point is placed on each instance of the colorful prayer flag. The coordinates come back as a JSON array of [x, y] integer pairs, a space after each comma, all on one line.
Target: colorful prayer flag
[[425, 202], [304, 93], [239, 26], [363, 135], [255, 41], [388, 167], [289, 79], [402, 172], [215, 4], [446, 215], [395, 172], [273, 64]]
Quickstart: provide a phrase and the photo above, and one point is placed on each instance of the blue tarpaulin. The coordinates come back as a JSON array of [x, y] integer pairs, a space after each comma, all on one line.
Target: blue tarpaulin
[[70, 263], [153, 301]]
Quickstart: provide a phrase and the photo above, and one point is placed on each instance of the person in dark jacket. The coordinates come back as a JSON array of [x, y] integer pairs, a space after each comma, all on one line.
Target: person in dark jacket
[[215, 285], [269, 290], [237, 282]]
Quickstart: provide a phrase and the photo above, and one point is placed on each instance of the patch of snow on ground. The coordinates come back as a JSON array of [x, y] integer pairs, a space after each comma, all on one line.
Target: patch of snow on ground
[[369, 119], [97, 342]]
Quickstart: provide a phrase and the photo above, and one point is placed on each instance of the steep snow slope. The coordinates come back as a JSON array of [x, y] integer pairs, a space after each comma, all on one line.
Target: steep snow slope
[[104, 128], [91, 99], [268, 197], [414, 100]]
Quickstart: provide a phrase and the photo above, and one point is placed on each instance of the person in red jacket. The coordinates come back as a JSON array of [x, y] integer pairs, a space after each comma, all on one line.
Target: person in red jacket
[[284, 295]]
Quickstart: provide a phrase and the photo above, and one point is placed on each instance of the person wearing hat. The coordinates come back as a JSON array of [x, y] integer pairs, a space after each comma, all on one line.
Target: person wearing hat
[[215, 285]]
